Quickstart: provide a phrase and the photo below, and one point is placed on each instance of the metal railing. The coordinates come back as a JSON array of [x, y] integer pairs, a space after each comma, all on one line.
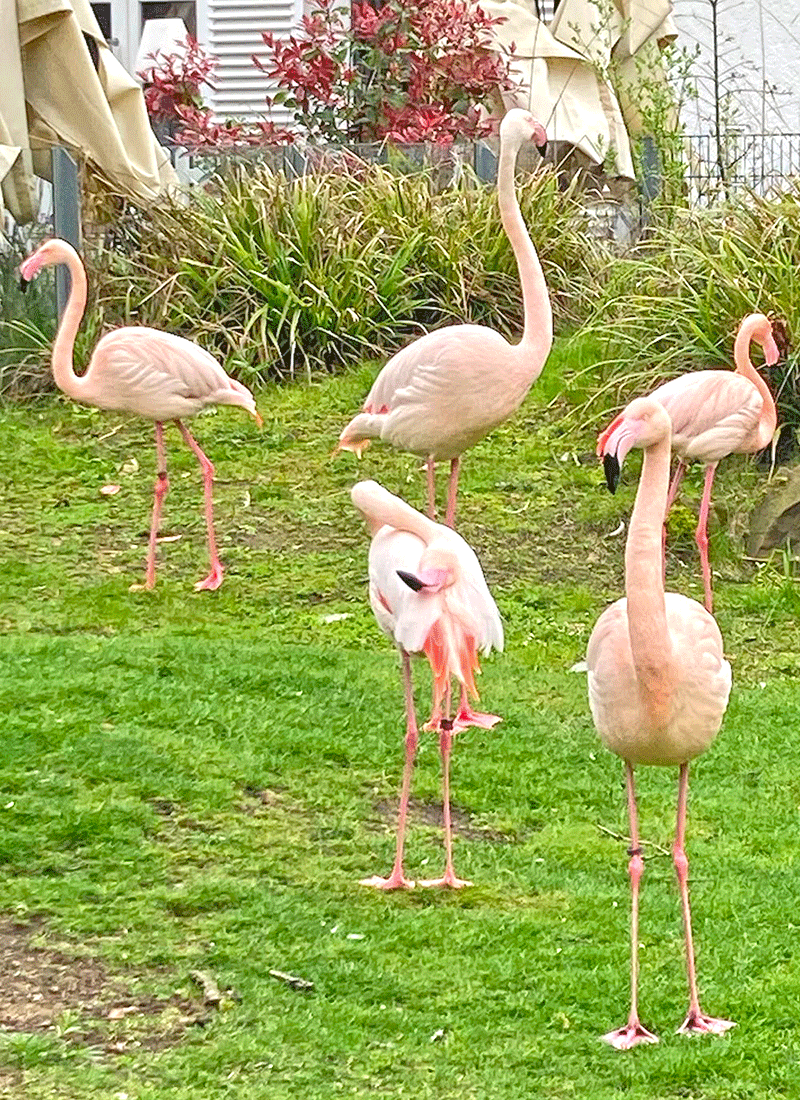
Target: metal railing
[[763, 163]]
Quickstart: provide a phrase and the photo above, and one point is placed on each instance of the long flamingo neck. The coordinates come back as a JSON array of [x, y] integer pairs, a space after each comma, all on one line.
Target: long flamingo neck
[[768, 421], [63, 371], [537, 335], [644, 578]]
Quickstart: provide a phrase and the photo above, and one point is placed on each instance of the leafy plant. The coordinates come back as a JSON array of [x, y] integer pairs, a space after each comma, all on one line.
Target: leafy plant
[[409, 72], [285, 276], [678, 300]]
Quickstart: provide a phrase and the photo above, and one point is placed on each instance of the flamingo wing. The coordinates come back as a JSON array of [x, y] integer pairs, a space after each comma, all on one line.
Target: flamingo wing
[[160, 376], [404, 615], [714, 413]]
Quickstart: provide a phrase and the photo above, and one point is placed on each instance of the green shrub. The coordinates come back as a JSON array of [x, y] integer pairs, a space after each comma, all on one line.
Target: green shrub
[[677, 301], [284, 277]]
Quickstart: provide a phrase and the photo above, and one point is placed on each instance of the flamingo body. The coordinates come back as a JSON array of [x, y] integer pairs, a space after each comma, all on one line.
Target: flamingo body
[[444, 392], [682, 722], [429, 596], [714, 413], [159, 376]]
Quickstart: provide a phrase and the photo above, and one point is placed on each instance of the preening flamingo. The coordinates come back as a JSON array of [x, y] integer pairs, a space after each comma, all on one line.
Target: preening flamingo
[[445, 391], [716, 413], [658, 682], [144, 371], [429, 595]]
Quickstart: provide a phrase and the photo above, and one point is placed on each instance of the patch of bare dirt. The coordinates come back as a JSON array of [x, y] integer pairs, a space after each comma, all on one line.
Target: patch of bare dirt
[[431, 813], [39, 984]]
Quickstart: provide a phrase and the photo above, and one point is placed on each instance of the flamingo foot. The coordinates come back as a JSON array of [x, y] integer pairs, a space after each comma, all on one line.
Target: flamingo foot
[[448, 879], [395, 881], [467, 717], [148, 586], [212, 581], [697, 1023], [624, 1038]]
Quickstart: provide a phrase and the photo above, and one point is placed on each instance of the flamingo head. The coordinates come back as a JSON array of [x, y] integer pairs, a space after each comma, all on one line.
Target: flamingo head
[[764, 335], [643, 423], [519, 126], [438, 569], [54, 251]]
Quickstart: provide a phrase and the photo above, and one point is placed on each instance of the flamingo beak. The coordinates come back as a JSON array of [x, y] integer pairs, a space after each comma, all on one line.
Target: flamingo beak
[[24, 284], [611, 469], [542, 149], [432, 579], [771, 353]]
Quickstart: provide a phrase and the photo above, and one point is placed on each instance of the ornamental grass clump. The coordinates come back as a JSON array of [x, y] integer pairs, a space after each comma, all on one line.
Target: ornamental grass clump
[[677, 301], [282, 278]]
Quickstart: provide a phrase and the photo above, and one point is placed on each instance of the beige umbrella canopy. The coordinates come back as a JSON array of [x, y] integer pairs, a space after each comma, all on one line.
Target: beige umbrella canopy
[[563, 69], [72, 91]]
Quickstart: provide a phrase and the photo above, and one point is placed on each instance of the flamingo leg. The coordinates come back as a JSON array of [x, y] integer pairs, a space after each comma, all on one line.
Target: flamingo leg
[[677, 478], [632, 1033], [701, 535], [466, 716], [446, 733], [214, 578], [450, 518], [430, 472], [696, 1021], [160, 491], [397, 880]]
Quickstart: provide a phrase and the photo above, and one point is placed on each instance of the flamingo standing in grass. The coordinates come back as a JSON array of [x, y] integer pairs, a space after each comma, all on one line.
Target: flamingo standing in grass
[[144, 371], [658, 682], [715, 413], [429, 596], [447, 390]]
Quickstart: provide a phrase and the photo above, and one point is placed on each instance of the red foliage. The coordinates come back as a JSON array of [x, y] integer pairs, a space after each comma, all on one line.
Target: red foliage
[[175, 79]]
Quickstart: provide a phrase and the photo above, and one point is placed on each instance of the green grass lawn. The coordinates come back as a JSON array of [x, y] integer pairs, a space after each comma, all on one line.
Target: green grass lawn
[[198, 781]]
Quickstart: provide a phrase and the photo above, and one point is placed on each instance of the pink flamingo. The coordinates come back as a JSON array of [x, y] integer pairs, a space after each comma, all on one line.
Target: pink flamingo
[[658, 682], [715, 413], [144, 371], [447, 390], [429, 596]]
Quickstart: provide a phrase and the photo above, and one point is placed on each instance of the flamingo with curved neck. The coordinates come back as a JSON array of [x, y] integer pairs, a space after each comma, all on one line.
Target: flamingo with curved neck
[[716, 413], [658, 681], [447, 390], [143, 371]]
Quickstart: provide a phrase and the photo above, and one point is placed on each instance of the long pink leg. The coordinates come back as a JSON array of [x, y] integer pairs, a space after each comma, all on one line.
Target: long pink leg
[[450, 518], [701, 534], [677, 478], [696, 1020], [397, 880], [445, 748], [430, 472], [214, 578], [160, 491], [632, 1033]]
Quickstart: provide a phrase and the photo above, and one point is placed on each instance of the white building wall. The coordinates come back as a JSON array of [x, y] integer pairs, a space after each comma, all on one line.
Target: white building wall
[[759, 49]]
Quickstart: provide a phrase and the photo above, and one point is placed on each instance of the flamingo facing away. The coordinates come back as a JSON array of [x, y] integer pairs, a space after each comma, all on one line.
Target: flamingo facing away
[[429, 596], [445, 391], [144, 371], [715, 413], [658, 682]]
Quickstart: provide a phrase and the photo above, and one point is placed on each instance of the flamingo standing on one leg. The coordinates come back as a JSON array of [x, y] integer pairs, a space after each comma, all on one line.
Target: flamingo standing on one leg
[[715, 413], [144, 371], [445, 391], [658, 682], [429, 596]]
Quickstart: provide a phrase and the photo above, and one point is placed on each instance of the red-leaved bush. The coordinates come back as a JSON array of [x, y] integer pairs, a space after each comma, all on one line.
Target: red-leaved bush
[[407, 71], [173, 97]]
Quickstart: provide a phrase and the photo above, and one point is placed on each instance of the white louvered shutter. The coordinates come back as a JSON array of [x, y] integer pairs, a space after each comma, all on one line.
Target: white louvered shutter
[[234, 35]]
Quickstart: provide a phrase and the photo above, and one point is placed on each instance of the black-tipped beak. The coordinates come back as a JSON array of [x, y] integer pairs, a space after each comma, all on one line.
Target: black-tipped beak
[[611, 468], [24, 284], [542, 150], [408, 578]]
